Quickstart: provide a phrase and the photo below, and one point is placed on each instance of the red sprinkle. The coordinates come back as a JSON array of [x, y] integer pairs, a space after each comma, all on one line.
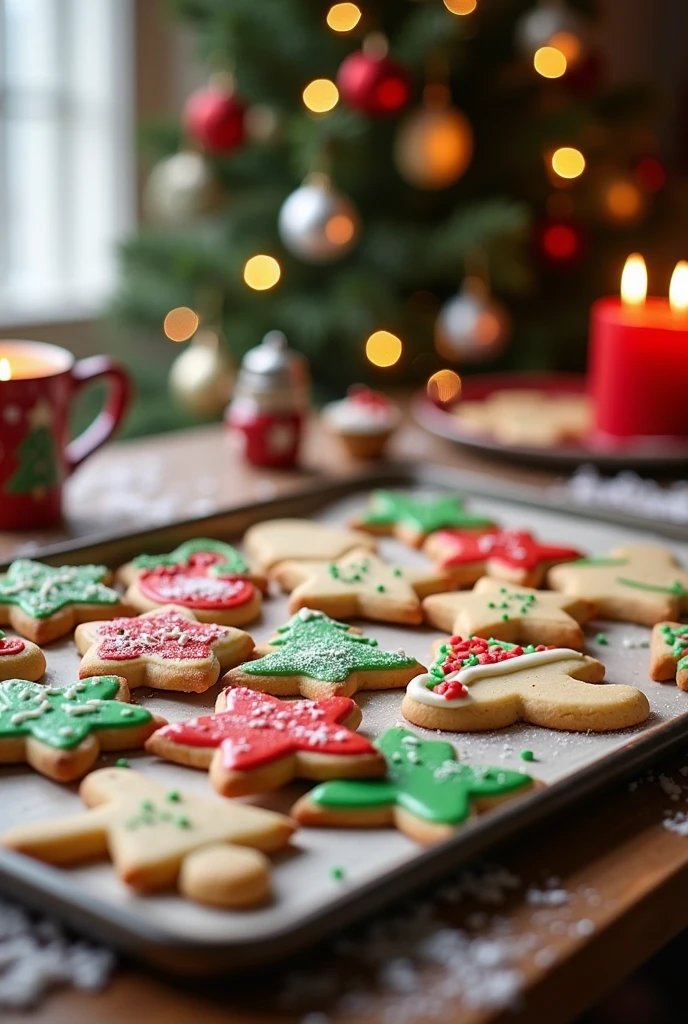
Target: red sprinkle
[[451, 690]]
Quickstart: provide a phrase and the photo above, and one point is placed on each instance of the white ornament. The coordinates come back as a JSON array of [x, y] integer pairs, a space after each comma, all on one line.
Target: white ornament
[[317, 223], [542, 27], [180, 188]]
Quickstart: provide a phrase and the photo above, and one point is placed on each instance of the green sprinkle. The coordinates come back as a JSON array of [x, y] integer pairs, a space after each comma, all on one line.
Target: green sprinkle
[[173, 796], [337, 874], [504, 604], [491, 604], [524, 609], [527, 755], [122, 762], [602, 639], [398, 572], [183, 822], [505, 617], [147, 805], [380, 588], [503, 590]]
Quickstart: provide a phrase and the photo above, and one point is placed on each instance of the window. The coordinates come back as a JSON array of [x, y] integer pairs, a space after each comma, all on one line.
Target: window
[[66, 153]]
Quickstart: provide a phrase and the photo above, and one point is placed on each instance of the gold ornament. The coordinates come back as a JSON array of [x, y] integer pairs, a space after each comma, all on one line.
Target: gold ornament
[[434, 144], [180, 188], [202, 376]]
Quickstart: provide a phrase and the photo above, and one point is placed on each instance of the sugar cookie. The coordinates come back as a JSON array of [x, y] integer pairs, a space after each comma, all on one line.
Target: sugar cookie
[[280, 540], [412, 519], [513, 555], [526, 416], [20, 659], [669, 653]]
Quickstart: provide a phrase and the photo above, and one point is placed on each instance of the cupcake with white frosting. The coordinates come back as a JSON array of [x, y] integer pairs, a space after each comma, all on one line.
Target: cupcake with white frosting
[[364, 421]]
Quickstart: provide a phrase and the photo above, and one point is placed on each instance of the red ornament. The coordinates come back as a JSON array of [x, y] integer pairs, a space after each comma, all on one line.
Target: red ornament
[[560, 242], [215, 118], [373, 83], [650, 173]]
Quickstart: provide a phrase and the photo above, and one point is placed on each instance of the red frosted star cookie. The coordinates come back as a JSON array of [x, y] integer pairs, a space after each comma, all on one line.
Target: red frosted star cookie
[[256, 742], [166, 649], [513, 555], [20, 659]]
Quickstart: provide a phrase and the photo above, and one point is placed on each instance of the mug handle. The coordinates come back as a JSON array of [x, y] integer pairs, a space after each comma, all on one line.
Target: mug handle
[[119, 394]]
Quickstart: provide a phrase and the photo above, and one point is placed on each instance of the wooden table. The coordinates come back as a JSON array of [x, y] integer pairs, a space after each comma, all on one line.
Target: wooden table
[[621, 877]]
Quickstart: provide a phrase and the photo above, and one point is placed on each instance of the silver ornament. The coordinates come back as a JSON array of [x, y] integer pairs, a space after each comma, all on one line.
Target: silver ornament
[[541, 26], [472, 327], [180, 188], [317, 223]]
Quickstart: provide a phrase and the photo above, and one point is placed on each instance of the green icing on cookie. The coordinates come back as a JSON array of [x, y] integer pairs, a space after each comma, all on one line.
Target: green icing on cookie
[[62, 717], [230, 561], [42, 590], [675, 590], [314, 645], [423, 777], [676, 637], [388, 508], [600, 563]]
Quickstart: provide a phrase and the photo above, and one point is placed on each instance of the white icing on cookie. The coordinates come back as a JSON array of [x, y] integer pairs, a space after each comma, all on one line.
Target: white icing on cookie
[[418, 689]]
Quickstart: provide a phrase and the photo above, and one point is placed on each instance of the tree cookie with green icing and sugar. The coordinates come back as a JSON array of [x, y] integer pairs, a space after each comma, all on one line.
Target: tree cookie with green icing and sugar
[[158, 838], [282, 540], [360, 585], [255, 742], [427, 793], [167, 649], [314, 656], [476, 684], [207, 576], [60, 731], [669, 653], [411, 519], [641, 583], [517, 614], [43, 602], [20, 659]]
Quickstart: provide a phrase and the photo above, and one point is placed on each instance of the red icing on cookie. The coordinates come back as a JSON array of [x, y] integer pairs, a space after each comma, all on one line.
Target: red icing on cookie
[[190, 587], [11, 645], [166, 635], [516, 548], [257, 728]]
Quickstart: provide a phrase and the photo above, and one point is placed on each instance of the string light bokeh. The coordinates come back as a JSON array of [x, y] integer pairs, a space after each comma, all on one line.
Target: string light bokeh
[[461, 7], [568, 162], [549, 62], [343, 17], [180, 324], [320, 96], [444, 386], [262, 272], [383, 348]]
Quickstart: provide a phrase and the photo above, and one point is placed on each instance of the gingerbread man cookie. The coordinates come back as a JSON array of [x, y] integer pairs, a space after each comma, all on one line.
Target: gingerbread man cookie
[[426, 794], [478, 684], [20, 659], [206, 576], [513, 555], [281, 540], [166, 649], [316, 657], [412, 519], [640, 583], [60, 731], [255, 742], [43, 603], [360, 585], [158, 838], [517, 614], [669, 653]]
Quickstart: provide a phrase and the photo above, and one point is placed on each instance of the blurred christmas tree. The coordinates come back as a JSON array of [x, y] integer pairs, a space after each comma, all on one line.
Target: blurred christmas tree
[[414, 168]]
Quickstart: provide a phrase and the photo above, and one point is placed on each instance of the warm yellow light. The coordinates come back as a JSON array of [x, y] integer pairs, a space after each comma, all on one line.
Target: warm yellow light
[[339, 229], [568, 44], [343, 17], [624, 200], [634, 281], [461, 6], [444, 386], [180, 323], [549, 62], [5, 369], [678, 288], [321, 95], [383, 348], [568, 162], [262, 272]]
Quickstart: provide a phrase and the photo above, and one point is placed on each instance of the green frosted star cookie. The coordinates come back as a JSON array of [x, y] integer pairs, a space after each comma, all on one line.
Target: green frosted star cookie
[[412, 519]]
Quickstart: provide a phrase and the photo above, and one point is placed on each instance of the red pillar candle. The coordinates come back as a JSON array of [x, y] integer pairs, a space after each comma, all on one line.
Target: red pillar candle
[[638, 367]]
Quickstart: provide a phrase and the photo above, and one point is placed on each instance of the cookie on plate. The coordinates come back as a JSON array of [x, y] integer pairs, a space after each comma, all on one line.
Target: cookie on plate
[[516, 614], [359, 584], [281, 540], [528, 417], [641, 583], [314, 656], [412, 519], [20, 659], [513, 555], [255, 742], [42, 602], [477, 684], [206, 576], [669, 653], [60, 731], [167, 649], [159, 838], [427, 793]]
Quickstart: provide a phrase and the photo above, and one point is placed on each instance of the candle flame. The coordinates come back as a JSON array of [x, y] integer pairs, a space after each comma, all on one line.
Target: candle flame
[[678, 288], [634, 281], [5, 369]]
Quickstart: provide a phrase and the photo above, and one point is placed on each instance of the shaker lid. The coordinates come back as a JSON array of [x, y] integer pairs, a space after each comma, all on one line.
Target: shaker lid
[[273, 363]]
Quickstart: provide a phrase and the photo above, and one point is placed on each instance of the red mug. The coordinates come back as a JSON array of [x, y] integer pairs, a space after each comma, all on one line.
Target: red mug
[[37, 385]]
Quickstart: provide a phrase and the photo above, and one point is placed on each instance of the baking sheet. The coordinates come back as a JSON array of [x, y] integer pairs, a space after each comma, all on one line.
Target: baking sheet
[[375, 862]]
